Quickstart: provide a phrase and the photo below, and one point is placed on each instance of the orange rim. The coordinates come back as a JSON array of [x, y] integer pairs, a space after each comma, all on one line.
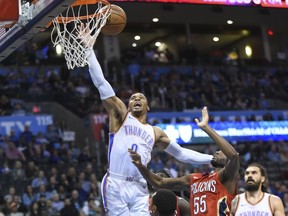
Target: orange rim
[[78, 3], [82, 2]]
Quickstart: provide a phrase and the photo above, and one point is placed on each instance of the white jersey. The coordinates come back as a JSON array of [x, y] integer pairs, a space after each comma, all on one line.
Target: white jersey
[[134, 135], [244, 208]]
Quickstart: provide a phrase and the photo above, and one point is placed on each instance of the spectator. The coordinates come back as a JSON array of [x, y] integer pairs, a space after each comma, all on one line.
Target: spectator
[[83, 184], [40, 139], [18, 110], [25, 136], [34, 209], [156, 163], [14, 210], [64, 182], [28, 196], [8, 198], [91, 208], [85, 155], [43, 193], [5, 105], [273, 153], [13, 153], [50, 211], [42, 202], [39, 180], [13, 137], [52, 134], [76, 200], [53, 184], [62, 193], [69, 209], [21, 207], [57, 204], [18, 173], [31, 171]]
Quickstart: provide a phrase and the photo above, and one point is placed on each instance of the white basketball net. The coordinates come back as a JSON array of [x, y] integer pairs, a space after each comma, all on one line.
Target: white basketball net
[[67, 31]]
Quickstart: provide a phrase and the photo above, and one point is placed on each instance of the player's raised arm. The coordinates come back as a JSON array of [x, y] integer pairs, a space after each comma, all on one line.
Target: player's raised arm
[[175, 184], [182, 154], [232, 166], [114, 106]]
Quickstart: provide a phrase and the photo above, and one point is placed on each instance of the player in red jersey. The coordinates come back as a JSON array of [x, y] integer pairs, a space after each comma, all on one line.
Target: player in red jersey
[[163, 203], [183, 206], [210, 193]]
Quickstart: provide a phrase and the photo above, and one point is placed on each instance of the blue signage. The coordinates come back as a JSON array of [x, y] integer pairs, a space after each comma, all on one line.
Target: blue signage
[[190, 133], [189, 116], [37, 123]]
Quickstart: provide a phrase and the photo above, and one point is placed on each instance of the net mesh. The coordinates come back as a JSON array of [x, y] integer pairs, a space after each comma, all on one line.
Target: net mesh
[[67, 34]]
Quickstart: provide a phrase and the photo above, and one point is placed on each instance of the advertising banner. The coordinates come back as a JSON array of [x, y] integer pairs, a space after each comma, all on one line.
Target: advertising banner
[[190, 133], [37, 123]]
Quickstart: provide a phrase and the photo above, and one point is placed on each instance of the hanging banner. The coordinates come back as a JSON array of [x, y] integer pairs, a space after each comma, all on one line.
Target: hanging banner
[[98, 121]]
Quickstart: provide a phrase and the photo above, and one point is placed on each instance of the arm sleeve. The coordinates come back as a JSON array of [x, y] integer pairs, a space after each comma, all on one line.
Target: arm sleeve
[[104, 88], [187, 155]]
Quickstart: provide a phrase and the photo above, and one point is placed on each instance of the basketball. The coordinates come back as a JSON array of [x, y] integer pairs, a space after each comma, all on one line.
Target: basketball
[[116, 22]]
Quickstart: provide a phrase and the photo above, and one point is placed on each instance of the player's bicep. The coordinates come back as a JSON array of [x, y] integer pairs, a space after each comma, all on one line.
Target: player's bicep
[[162, 140], [277, 205], [114, 106], [116, 110]]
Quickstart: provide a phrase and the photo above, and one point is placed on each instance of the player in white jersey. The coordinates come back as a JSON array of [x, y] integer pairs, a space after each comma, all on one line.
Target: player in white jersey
[[255, 200], [124, 190]]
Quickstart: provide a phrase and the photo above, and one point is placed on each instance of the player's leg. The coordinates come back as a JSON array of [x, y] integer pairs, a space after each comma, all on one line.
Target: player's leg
[[112, 196], [139, 205]]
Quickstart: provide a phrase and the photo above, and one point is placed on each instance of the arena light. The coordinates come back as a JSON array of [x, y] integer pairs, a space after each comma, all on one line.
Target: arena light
[[248, 50], [229, 22], [245, 32], [134, 44], [137, 37], [155, 19], [216, 39], [270, 32], [58, 49], [157, 44]]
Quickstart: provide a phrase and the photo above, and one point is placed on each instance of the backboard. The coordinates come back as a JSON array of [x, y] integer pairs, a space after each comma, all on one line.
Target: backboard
[[32, 19]]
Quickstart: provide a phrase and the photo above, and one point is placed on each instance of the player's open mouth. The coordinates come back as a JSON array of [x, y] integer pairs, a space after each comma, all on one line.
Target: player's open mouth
[[137, 105]]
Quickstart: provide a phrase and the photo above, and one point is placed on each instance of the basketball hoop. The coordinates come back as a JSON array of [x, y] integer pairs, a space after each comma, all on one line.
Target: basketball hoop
[[93, 14]]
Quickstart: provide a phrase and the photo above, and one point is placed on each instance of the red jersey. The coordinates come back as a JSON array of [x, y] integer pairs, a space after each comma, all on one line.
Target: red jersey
[[208, 196]]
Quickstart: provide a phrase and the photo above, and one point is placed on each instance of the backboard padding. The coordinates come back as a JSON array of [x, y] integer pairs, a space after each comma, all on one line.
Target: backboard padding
[[44, 12], [9, 10]]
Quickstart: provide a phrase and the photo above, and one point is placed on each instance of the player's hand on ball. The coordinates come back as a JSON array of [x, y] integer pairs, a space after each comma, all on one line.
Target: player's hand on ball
[[136, 158]]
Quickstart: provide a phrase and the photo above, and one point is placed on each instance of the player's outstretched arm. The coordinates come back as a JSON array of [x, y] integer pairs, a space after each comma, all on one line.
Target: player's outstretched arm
[[232, 167], [156, 181], [182, 154]]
